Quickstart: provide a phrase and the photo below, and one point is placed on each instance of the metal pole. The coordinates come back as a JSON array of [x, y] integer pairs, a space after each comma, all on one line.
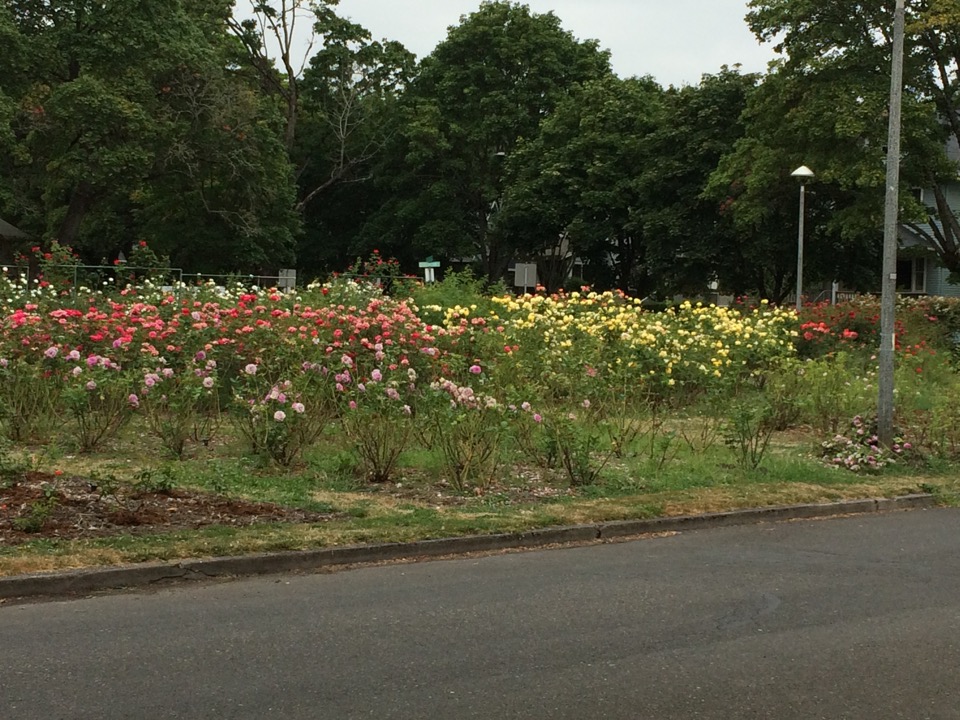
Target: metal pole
[[888, 279], [803, 189]]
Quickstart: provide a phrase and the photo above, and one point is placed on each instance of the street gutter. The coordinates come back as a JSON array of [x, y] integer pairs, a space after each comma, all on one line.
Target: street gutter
[[59, 584]]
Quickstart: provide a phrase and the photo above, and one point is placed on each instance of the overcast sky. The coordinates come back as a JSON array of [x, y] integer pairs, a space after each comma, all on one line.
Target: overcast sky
[[675, 41]]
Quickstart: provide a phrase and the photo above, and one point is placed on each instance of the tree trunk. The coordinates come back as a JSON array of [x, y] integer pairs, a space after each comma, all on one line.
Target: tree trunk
[[81, 200]]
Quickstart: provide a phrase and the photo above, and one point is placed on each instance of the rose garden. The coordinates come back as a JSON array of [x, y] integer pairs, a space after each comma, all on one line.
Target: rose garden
[[442, 409]]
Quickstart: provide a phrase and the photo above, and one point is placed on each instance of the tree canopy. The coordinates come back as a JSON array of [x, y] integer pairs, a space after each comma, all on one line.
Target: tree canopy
[[250, 135], [489, 85], [830, 93], [129, 123]]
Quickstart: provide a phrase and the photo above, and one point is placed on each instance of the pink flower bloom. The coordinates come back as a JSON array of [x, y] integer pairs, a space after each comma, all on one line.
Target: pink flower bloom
[[393, 394], [353, 405], [376, 376], [298, 408], [279, 416], [133, 400], [208, 382], [93, 360], [476, 369], [250, 369], [73, 355], [525, 406], [537, 417], [91, 385], [51, 352]]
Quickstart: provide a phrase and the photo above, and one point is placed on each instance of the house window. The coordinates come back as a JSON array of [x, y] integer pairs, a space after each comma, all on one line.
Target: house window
[[912, 275]]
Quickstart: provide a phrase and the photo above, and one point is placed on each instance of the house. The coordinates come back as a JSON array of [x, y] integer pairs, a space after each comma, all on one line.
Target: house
[[918, 270], [9, 235], [9, 232]]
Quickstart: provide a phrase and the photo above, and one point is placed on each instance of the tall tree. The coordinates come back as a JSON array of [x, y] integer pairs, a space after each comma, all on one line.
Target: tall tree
[[349, 88], [690, 241], [118, 104], [335, 86], [278, 36], [576, 188], [491, 82]]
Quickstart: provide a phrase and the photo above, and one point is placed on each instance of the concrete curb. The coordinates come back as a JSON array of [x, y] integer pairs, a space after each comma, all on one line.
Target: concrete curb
[[73, 582]]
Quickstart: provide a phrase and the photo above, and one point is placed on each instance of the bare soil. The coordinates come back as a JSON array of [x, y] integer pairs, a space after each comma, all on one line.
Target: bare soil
[[38, 505]]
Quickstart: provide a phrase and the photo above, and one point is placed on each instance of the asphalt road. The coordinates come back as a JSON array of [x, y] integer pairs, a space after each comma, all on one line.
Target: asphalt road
[[846, 618]]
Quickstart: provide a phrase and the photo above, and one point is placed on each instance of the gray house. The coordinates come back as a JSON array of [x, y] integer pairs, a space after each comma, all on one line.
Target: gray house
[[918, 271]]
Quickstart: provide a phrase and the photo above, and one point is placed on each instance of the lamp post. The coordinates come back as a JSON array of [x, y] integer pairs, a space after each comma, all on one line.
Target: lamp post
[[803, 174]]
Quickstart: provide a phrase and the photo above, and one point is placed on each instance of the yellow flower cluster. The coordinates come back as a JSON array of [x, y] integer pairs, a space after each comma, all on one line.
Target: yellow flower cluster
[[689, 343]]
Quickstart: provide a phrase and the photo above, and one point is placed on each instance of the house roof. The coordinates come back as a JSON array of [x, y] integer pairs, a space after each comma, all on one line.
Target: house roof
[[10, 232]]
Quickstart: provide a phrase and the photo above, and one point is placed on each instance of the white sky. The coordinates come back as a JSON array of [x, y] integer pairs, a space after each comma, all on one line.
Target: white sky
[[675, 41]]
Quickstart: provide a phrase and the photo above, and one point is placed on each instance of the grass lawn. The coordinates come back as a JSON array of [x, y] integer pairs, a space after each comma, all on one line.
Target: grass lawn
[[337, 507]]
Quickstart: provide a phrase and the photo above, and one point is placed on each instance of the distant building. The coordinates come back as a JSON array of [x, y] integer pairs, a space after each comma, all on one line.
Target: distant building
[[8, 236]]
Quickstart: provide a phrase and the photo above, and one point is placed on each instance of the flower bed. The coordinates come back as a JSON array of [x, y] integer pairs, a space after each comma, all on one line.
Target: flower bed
[[571, 381]]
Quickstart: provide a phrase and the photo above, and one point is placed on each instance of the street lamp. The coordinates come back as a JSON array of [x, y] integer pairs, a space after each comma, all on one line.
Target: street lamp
[[803, 174]]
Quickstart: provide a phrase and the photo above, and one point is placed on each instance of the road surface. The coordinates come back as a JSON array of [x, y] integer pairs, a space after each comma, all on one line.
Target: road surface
[[854, 617]]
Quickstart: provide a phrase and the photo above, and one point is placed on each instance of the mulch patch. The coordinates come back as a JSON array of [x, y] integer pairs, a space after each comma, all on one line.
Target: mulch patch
[[37, 505]]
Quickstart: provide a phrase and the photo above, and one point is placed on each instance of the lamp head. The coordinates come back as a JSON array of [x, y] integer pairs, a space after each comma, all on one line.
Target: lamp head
[[802, 173]]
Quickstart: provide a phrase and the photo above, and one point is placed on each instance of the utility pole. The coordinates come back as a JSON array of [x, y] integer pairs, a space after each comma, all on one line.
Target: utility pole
[[888, 299]]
